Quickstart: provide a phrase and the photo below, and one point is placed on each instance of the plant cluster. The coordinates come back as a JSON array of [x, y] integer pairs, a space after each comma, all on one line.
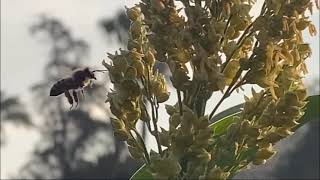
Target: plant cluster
[[226, 49]]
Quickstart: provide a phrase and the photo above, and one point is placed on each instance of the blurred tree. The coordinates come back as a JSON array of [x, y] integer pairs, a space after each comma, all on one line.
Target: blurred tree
[[117, 26], [77, 143], [12, 111]]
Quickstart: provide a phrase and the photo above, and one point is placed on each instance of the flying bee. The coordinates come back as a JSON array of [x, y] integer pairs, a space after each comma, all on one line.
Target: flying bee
[[79, 79]]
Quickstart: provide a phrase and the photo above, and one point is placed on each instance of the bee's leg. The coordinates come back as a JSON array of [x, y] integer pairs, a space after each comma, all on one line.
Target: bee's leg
[[82, 93], [69, 97], [75, 97]]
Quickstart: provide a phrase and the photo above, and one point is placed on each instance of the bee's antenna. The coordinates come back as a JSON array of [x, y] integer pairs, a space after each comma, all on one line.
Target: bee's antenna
[[100, 71]]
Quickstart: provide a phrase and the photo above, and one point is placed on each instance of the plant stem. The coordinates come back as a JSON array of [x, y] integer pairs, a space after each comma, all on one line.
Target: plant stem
[[240, 41], [263, 9], [179, 101], [227, 93], [155, 133], [146, 154], [225, 29], [234, 80], [148, 121], [239, 44]]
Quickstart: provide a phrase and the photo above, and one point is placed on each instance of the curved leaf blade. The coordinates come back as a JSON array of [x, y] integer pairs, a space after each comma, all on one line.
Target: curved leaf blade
[[222, 120], [142, 173], [312, 111], [227, 112], [220, 126]]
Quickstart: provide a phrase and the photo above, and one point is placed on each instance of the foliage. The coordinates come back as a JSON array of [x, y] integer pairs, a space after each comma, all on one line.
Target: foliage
[[226, 49], [117, 26], [12, 111]]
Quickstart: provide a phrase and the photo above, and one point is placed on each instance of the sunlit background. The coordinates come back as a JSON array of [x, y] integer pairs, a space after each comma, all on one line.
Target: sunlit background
[[24, 64]]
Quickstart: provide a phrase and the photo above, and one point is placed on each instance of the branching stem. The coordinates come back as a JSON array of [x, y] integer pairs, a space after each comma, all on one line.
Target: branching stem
[[180, 102], [155, 133], [141, 142], [226, 28], [227, 93]]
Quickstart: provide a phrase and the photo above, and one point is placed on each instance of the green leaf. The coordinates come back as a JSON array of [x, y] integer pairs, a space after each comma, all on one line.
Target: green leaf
[[222, 120], [227, 112], [219, 127], [248, 153], [142, 173], [312, 111]]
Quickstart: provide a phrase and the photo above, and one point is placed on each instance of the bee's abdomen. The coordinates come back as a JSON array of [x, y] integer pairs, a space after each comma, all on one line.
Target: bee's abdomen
[[57, 89]]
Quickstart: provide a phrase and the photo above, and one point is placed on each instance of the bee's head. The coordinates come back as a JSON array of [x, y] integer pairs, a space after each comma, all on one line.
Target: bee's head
[[89, 73]]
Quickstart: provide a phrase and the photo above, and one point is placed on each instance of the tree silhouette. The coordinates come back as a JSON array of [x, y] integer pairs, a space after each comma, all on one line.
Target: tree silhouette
[[74, 144], [12, 111], [117, 26]]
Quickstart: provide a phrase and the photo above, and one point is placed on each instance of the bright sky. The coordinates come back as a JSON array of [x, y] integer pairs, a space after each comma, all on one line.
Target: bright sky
[[23, 57]]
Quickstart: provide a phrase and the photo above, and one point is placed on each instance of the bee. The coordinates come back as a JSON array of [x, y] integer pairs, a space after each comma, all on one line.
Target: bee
[[79, 79]]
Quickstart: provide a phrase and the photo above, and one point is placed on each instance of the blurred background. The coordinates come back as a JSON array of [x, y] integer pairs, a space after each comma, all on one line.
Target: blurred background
[[41, 42]]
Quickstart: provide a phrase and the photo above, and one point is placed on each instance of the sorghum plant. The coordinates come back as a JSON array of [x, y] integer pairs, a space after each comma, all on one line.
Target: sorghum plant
[[226, 49]]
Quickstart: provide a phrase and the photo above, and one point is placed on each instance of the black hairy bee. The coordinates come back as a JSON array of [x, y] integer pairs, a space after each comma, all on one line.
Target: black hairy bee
[[79, 79]]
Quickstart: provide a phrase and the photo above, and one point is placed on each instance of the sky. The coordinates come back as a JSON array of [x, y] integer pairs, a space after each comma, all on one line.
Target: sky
[[23, 56]]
